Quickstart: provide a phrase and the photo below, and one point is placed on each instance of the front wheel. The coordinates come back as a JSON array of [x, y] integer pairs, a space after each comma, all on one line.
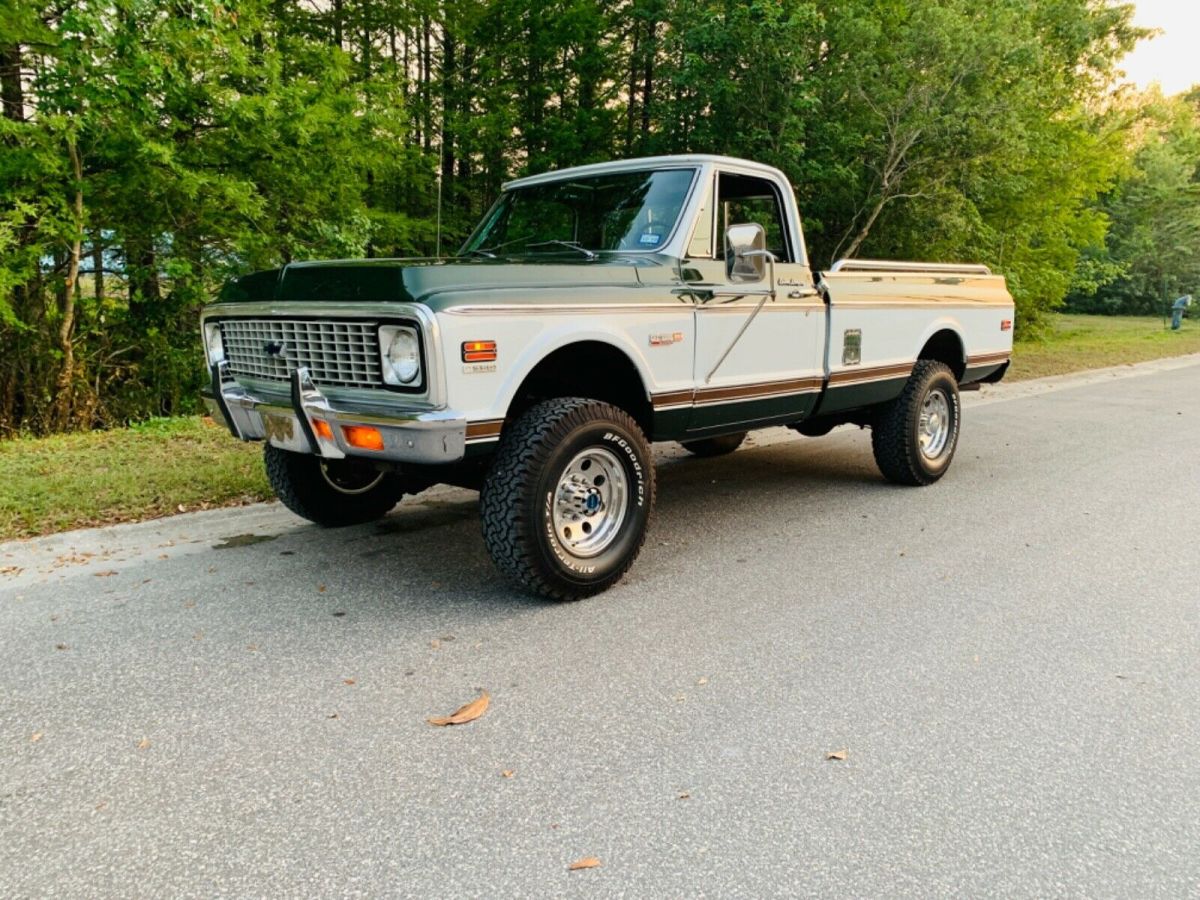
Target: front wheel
[[567, 501], [332, 492], [915, 435]]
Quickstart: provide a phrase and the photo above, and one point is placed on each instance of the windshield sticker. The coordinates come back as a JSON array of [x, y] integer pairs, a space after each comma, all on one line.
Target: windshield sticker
[[651, 239]]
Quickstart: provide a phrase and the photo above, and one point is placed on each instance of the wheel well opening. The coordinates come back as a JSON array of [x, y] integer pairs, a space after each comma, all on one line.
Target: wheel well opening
[[590, 369], [946, 347]]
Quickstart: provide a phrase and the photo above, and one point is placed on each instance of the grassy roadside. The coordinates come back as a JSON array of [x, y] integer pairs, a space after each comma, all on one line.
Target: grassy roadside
[[143, 472], [1075, 343], [168, 465]]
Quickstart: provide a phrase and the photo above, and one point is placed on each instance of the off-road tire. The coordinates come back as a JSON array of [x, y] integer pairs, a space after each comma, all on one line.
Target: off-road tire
[[302, 487], [714, 446], [895, 429], [519, 493]]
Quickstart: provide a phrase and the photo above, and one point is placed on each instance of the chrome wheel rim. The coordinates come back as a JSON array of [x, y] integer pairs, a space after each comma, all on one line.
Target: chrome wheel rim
[[351, 477], [590, 503], [933, 428]]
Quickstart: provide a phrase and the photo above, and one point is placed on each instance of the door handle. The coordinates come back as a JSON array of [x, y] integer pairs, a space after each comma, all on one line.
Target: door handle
[[799, 295]]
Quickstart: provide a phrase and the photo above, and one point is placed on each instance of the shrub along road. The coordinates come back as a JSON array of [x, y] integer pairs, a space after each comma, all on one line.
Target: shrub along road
[[1006, 658]]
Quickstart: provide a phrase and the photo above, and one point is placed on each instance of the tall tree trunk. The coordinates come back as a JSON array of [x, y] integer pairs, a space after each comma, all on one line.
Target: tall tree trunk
[[12, 92], [648, 55], [64, 388]]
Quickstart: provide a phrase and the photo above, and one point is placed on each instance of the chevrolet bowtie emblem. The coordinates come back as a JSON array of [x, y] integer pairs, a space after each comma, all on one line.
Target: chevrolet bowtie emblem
[[273, 348]]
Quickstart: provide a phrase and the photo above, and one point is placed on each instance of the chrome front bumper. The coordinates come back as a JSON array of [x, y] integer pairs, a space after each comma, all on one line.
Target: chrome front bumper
[[410, 436]]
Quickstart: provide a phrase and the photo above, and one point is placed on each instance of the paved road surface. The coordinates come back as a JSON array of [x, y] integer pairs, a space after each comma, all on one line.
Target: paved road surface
[[1011, 660]]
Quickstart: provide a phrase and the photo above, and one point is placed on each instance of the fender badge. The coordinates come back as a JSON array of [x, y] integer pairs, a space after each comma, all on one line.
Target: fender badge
[[662, 340]]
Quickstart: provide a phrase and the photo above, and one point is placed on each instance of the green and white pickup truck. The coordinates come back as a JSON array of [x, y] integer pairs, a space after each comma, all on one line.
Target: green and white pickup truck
[[593, 311]]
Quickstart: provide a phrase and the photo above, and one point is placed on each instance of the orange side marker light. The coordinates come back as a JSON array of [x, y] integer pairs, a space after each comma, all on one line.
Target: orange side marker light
[[364, 437], [479, 351], [321, 427], [1006, 325]]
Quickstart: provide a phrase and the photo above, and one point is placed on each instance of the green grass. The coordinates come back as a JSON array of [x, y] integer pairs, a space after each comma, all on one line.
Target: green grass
[[1074, 343], [143, 472], [156, 469]]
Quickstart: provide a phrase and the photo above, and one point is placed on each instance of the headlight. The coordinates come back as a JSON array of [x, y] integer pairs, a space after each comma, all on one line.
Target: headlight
[[214, 343], [401, 352]]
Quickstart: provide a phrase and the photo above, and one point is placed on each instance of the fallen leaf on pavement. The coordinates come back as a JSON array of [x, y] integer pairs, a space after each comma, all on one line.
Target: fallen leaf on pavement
[[588, 862], [144, 744], [507, 773], [464, 714], [61, 647], [348, 681], [435, 644], [10, 570], [107, 573], [181, 508], [837, 754], [320, 588], [35, 737], [684, 796], [701, 681]]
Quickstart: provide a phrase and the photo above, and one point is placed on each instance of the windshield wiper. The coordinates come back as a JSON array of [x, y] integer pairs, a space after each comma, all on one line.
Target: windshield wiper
[[481, 251], [570, 245]]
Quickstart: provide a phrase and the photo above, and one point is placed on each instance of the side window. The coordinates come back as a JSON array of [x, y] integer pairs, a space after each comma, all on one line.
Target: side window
[[744, 198]]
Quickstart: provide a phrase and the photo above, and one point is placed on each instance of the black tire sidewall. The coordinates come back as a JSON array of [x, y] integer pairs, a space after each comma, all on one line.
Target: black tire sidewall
[[943, 379], [632, 453]]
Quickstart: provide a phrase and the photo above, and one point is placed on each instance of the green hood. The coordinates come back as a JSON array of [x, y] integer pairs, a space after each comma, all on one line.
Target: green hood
[[425, 280]]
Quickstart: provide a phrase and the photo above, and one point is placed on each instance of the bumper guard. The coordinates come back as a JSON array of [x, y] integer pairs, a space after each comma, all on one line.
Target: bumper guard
[[410, 436]]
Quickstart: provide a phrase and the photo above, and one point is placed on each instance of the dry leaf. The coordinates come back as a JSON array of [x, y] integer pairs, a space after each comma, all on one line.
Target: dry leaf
[[464, 714], [702, 681], [35, 737], [684, 796], [10, 570], [435, 644], [588, 862], [837, 754], [348, 681], [164, 556], [252, 647], [144, 744], [332, 716], [507, 773], [107, 573], [181, 508]]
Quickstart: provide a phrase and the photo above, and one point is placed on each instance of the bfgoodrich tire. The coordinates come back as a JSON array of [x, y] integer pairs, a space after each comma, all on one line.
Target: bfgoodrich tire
[[915, 435], [331, 492], [568, 498], [714, 446]]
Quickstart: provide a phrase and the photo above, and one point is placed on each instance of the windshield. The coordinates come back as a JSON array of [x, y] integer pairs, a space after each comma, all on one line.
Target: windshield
[[621, 211]]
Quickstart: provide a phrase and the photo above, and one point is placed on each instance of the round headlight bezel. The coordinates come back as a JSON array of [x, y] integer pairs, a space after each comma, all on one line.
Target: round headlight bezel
[[214, 343], [400, 348]]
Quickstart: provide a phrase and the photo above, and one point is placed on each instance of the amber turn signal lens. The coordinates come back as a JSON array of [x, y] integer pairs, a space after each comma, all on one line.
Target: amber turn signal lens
[[364, 437], [321, 427], [479, 351]]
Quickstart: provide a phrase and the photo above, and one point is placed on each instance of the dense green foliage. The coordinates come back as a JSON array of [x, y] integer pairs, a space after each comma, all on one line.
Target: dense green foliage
[[151, 148], [1151, 253]]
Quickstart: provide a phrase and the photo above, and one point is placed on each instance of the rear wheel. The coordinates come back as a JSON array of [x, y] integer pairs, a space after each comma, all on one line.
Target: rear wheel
[[332, 492], [915, 435], [566, 503], [714, 446]]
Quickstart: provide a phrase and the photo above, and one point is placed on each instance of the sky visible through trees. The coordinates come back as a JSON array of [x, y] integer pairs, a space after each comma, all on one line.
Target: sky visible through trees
[[150, 149]]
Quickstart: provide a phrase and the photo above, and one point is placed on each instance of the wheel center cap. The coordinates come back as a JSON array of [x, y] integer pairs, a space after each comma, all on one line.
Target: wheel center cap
[[592, 503]]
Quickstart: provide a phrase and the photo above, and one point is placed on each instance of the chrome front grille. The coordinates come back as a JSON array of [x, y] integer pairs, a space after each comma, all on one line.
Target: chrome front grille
[[338, 354]]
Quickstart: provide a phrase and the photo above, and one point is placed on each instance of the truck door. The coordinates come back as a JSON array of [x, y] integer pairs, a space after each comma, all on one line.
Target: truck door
[[772, 372]]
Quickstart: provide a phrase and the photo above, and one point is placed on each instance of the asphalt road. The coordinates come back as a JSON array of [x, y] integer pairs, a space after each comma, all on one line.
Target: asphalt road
[[1010, 659]]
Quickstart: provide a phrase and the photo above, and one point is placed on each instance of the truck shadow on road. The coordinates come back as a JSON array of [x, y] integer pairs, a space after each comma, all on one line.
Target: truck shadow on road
[[429, 553]]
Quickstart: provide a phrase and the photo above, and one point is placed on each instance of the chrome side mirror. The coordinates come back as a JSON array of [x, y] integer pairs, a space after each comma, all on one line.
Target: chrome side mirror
[[745, 253]]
